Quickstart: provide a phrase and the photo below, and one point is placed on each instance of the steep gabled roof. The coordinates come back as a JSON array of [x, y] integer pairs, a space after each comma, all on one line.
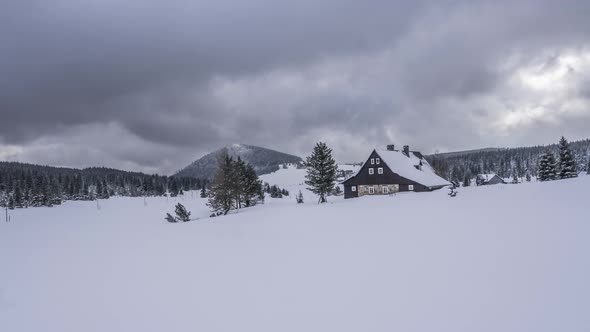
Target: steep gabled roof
[[405, 166], [488, 177]]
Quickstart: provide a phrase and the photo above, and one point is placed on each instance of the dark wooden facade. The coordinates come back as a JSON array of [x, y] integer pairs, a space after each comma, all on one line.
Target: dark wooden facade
[[481, 180], [389, 178]]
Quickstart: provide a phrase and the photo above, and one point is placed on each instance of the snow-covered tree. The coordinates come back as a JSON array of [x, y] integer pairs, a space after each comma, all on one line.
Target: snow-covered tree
[[169, 218], [547, 167], [321, 171], [467, 180], [299, 197], [203, 192], [528, 177], [252, 187], [337, 191], [234, 186], [221, 192], [182, 213], [514, 178], [567, 164]]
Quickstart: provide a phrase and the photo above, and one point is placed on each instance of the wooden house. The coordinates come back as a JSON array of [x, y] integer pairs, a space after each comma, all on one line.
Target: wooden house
[[488, 179], [390, 171]]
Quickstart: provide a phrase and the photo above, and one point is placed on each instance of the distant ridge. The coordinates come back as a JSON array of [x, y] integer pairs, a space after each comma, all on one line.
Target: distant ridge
[[505, 162], [465, 152], [262, 159]]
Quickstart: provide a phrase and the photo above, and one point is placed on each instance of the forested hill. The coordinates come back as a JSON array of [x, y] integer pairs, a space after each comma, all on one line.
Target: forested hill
[[24, 185], [504, 162], [263, 160]]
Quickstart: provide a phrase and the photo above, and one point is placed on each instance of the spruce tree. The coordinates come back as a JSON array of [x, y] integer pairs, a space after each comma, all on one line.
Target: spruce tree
[[299, 197], [567, 164], [547, 167], [252, 186], [181, 213], [220, 194], [169, 218], [321, 171], [203, 192], [588, 167], [466, 180], [239, 174]]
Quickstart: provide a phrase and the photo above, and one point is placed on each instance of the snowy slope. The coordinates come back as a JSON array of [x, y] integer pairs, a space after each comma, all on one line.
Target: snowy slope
[[411, 262]]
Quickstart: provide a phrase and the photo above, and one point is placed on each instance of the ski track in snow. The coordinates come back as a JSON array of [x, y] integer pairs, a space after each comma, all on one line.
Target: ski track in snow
[[497, 258]]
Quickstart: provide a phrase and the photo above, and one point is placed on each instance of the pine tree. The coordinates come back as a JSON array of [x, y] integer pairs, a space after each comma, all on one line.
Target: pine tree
[[174, 190], [181, 213], [567, 164], [203, 192], [337, 191], [252, 186], [514, 178], [547, 167], [169, 218], [528, 177], [220, 194], [321, 171], [299, 197], [466, 180], [239, 174]]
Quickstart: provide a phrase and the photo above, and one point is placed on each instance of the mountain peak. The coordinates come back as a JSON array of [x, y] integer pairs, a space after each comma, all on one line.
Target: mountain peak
[[262, 159]]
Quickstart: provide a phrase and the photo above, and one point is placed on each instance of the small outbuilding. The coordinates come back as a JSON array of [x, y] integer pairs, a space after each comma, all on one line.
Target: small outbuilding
[[488, 179]]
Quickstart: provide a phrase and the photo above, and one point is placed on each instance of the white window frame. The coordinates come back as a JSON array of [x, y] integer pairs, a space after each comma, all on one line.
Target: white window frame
[[371, 171], [380, 170], [385, 189], [377, 161], [353, 188], [372, 161], [371, 190], [411, 187]]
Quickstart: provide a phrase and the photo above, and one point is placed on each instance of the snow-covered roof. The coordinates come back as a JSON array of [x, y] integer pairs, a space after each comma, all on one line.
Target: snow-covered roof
[[487, 177], [404, 166]]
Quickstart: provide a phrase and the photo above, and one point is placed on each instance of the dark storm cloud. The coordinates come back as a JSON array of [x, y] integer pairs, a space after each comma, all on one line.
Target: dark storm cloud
[[175, 79]]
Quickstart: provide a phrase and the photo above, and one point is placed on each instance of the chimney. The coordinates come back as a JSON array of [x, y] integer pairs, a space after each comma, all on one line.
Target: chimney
[[407, 150], [391, 147]]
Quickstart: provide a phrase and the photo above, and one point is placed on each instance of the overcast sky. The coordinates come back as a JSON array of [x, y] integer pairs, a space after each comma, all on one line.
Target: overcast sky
[[151, 85]]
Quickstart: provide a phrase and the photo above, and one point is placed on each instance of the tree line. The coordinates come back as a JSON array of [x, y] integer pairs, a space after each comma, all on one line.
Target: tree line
[[523, 162], [27, 185]]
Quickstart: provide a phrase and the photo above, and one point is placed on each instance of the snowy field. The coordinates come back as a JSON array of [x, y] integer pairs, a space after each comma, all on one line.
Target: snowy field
[[499, 258]]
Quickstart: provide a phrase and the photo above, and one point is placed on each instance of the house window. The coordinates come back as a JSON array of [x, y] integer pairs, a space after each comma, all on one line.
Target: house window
[[380, 170], [372, 161], [377, 161], [385, 190], [371, 190], [353, 188], [411, 187], [371, 171]]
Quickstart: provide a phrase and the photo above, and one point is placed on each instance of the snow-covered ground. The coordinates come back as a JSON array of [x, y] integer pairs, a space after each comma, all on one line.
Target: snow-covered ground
[[497, 258]]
